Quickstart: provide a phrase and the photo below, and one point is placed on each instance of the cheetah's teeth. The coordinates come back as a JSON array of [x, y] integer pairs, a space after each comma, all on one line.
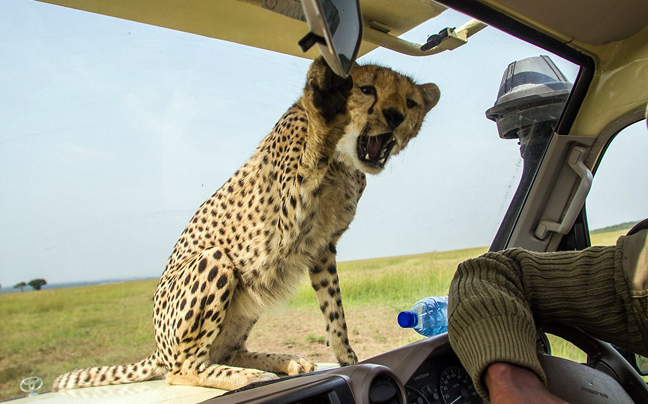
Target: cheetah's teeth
[[375, 149]]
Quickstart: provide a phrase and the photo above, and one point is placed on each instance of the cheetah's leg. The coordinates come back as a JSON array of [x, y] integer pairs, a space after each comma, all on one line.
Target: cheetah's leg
[[234, 352], [200, 323], [325, 101], [273, 362], [325, 281]]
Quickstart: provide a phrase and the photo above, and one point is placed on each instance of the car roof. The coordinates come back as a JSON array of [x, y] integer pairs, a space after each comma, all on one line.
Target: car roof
[[248, 22], [583, 23], [587, 22]]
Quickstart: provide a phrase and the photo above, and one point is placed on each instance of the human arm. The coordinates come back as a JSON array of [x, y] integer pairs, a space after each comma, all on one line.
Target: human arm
[[497, 300]]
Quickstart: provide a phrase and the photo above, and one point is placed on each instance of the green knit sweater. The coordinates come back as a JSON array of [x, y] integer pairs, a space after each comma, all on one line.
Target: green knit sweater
[[497, 300]]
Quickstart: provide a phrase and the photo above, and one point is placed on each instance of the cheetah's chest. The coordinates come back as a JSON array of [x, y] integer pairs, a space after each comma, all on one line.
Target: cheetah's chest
[[289, 245]]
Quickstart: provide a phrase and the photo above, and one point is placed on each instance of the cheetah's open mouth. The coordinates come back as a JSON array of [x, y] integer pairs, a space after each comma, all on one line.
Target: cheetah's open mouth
[[375, 149]]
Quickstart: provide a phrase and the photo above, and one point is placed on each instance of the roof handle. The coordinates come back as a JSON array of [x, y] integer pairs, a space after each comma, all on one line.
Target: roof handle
[[576, 162]]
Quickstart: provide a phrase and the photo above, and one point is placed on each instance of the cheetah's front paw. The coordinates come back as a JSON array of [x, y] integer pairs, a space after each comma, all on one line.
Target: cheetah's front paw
[[329, 91], [300, 365]]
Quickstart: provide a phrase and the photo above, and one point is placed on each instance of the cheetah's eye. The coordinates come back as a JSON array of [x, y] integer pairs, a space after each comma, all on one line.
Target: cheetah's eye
[[411, 103], [369, 90]]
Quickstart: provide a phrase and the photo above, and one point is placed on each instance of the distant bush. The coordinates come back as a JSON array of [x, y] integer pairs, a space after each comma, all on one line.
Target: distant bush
[[616, 227], [37, 284]]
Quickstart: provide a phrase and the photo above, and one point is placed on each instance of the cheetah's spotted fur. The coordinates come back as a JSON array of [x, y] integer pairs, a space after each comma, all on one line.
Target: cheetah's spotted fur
[[279, 216]]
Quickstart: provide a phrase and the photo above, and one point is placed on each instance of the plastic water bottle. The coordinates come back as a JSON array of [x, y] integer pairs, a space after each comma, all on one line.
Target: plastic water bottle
[[428, 317]]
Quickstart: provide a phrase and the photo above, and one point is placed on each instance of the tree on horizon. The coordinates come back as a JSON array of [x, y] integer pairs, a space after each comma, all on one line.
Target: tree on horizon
[[20, 286]]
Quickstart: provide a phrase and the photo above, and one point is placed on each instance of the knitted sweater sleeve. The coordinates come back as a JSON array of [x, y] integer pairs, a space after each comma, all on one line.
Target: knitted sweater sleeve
[[497, 300]]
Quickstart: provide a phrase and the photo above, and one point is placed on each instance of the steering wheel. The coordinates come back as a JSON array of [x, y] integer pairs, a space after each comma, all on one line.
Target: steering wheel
[[590, 383]]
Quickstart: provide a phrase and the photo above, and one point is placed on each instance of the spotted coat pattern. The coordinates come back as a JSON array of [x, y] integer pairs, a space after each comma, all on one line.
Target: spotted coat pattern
[[278, 217]]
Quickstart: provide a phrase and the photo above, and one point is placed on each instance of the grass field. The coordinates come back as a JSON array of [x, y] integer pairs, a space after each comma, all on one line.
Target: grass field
[[49, 332]]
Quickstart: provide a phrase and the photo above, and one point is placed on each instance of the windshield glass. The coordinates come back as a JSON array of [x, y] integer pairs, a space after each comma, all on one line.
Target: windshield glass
[[112, 133]]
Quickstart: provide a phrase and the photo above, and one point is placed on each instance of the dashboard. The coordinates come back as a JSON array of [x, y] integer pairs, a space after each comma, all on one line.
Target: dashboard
[[424, 372], [429, 372], [441, 380]]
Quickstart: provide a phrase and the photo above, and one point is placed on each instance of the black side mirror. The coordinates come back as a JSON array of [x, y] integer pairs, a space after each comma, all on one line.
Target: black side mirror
[[336, 28]]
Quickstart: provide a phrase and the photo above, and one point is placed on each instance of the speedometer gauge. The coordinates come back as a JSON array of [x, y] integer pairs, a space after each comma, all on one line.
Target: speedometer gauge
[[456, 387]]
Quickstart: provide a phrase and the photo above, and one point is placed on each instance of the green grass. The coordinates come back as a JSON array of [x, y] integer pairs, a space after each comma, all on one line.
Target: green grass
[[393, 281], [315, 339], [49, 332]]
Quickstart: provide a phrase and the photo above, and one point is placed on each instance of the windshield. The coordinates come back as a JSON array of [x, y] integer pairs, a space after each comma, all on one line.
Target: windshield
[[112, 133]]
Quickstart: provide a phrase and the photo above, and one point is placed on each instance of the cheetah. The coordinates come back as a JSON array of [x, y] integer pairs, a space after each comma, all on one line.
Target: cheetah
[[278, 217]]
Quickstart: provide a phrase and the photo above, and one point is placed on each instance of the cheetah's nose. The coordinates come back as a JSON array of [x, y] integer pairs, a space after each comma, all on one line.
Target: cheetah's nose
[[394, 117]]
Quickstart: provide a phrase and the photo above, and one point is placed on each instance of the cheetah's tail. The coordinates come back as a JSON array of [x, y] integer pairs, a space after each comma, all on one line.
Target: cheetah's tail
[[147, 369]]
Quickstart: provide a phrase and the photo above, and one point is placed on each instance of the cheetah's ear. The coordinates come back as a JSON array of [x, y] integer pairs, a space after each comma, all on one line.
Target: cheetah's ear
[[431, 95]]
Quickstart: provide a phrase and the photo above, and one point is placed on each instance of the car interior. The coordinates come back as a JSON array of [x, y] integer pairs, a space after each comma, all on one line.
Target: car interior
[[563, 123]]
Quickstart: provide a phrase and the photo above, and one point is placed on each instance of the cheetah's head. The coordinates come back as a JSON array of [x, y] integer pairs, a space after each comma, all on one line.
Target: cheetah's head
[[386, 110]]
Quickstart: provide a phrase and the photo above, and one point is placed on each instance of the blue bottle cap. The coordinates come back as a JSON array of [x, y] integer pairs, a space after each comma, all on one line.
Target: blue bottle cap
[[407, 319]]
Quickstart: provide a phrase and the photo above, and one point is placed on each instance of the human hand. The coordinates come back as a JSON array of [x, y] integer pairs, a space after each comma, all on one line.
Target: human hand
[[510, 384]]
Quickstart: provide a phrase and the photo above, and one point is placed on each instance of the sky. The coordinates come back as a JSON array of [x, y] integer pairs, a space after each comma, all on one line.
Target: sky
[[112, 133]]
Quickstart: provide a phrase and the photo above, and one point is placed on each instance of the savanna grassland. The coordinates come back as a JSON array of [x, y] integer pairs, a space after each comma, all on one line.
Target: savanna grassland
[[49, 332]]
